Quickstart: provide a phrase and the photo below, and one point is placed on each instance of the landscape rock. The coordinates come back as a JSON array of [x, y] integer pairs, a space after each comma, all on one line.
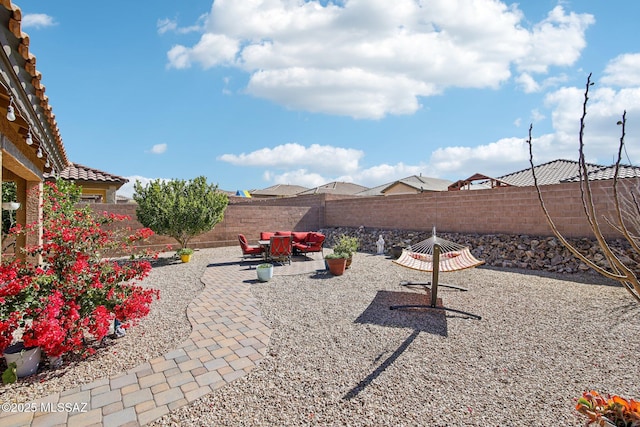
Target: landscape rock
[[500, 250]]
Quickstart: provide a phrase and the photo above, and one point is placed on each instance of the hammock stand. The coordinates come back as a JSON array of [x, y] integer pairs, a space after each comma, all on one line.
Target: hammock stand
[[435, 255]]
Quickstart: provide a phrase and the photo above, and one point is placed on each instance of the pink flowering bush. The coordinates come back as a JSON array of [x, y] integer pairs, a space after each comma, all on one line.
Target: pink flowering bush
[[74, 293]]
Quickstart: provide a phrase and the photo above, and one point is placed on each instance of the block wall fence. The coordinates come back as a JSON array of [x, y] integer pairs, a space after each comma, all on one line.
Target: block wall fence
[[508, 210]]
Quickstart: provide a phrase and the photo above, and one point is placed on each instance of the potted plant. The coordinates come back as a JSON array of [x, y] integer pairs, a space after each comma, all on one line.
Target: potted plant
[[347, 245], [265, 272], [185, 254], [336, 262]]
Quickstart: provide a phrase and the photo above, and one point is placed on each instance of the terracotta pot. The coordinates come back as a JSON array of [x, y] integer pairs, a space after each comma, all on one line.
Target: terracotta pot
[[336, 265]]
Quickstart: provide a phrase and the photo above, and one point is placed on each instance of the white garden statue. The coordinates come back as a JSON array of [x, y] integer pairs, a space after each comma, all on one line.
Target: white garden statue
[[380, 245]]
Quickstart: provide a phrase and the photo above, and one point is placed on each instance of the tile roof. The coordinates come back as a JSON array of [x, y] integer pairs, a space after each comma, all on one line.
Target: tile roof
[[279, 190], [424, 183], [77, 172], [342, 188], [608, 172], [553, 172], [420, 183]]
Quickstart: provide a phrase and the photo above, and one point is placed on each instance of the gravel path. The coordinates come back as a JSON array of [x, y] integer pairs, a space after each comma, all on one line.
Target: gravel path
[[338, 356]]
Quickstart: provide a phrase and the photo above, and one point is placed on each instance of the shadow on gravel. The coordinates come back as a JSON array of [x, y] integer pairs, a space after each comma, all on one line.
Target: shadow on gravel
[[420, 320], [584, 278], [380, 369]]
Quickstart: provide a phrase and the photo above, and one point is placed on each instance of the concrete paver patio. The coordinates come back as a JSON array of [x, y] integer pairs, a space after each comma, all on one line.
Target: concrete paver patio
[[229, 338]]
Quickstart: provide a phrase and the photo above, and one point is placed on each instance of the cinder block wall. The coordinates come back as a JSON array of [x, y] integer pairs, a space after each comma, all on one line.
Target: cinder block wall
[[243, 218], [509, 210]]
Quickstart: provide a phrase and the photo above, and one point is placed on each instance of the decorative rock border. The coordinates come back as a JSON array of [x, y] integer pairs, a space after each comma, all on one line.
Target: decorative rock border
[[499, 250]]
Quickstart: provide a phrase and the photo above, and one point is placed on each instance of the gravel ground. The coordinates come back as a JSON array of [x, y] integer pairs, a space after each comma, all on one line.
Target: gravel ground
[[162, 330], [339, 357]]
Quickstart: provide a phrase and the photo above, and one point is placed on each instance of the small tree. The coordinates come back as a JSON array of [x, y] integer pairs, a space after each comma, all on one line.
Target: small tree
[[180, 209], [627, 211]]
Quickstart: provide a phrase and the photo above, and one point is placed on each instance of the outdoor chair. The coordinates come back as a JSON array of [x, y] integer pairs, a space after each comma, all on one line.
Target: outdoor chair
[[280, 249], [249, 251], [312, 243]]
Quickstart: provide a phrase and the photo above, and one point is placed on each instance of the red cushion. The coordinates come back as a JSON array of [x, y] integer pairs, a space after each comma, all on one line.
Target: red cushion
[[315, 238], [299, 236], [283, 233], [266, 235]]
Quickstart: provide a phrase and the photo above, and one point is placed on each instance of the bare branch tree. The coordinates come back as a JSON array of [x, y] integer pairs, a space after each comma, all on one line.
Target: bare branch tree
[[627, 211]]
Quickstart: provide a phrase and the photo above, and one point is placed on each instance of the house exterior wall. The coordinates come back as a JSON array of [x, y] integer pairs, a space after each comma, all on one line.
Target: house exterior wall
[[400, 188]]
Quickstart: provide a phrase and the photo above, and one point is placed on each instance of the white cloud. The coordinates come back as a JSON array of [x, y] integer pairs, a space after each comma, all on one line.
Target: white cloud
[[294, 163], [623, 70], [166, 25], [495, 158], [316, 158], [529, 85], [601, 135], [537, 116], [159, 148], [37, 20], [371, 58], [370, 177], [556, 41], [297, 177], [319, 164], [211, 50], [127, 189]]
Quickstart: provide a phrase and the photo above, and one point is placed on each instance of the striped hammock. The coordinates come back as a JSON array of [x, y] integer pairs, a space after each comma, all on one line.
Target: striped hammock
[[453, 256]]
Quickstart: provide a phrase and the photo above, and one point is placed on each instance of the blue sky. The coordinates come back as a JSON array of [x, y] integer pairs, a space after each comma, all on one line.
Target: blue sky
[[256, 93]]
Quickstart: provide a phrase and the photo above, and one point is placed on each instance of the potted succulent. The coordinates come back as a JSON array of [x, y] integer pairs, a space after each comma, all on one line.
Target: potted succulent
[[265, 272], [185, 254], [336, 262], [347, 245]]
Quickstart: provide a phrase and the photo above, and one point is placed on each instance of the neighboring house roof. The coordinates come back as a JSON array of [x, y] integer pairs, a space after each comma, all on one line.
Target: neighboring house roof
[[342, 188], [411, 184], [553, 172], [77, 172], [278, 190], [608, 172], [124, 199]]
